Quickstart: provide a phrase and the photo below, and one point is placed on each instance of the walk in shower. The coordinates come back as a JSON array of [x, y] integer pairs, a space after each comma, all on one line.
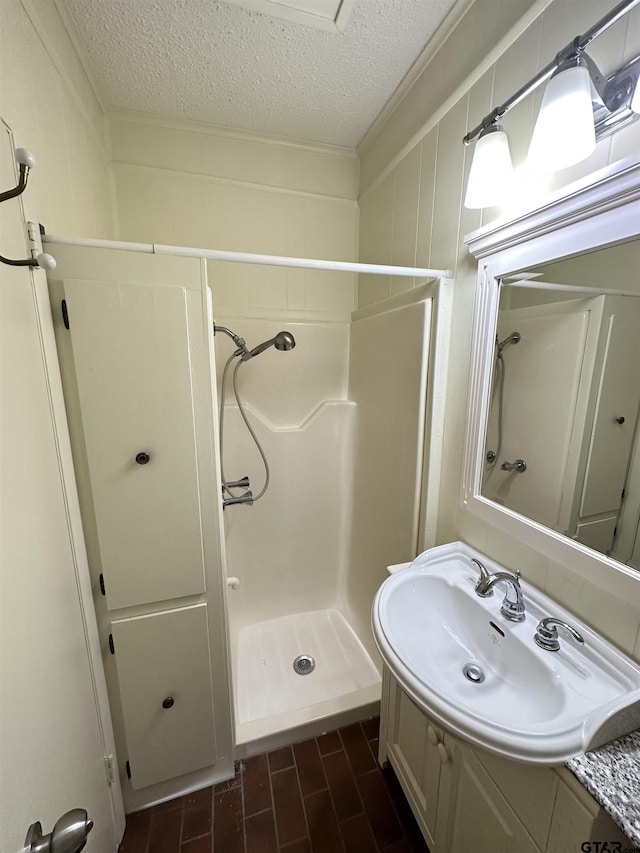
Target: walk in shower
[[341, 420]]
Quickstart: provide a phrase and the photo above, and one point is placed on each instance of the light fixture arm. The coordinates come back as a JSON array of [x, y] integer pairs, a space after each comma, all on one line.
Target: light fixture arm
[[574, 50]]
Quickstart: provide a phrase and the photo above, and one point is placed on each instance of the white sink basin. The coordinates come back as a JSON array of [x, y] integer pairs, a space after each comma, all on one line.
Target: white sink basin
[[531, 705]]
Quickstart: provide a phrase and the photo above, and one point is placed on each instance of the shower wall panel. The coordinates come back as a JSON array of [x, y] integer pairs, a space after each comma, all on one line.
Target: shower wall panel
[[289, 548], [388, 383]]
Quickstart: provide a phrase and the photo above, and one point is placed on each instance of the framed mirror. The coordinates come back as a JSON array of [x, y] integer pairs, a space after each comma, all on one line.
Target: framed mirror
[[552, 453]]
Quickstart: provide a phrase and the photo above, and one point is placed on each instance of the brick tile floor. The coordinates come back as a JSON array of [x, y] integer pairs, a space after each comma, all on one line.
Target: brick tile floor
[[323, 795]]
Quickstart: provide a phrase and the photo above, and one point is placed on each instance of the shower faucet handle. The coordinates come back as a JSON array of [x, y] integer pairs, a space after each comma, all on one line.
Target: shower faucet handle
[[247, 498], [243, 483], [519, 466]]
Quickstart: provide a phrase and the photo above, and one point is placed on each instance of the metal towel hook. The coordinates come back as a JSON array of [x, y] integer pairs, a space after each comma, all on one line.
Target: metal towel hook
[[26, 162]]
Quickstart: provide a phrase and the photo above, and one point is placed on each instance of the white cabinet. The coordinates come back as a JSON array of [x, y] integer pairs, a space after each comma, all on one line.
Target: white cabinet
[[131, 354], [478, 816], [610, 427], [164, 674], [137, 364], [465, 798], [412, 742]]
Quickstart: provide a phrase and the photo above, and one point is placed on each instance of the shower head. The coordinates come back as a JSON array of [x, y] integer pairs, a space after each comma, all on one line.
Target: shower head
[[283, 341], [513, 338]]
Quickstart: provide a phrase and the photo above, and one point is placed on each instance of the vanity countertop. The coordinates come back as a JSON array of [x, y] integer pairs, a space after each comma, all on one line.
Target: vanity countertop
[[611, 774]]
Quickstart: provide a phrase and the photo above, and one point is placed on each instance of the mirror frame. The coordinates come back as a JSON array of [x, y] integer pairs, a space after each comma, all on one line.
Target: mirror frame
[[599, 211]]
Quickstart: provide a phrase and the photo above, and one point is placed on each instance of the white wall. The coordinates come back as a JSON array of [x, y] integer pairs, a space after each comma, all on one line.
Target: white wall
[[191, 184], [52, 747], [413, 173], [52, 109]]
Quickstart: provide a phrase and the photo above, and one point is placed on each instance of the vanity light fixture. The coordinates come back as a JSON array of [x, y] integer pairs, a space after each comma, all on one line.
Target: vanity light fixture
[[565, 132], [491, 169], [579, 107]]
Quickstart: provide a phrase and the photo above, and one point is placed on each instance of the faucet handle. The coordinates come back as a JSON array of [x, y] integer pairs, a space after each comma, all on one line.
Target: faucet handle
[[484, 576], [546, 635]]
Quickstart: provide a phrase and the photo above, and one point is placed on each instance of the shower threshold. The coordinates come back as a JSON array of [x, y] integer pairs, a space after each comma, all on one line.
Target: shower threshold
[[276, 703]]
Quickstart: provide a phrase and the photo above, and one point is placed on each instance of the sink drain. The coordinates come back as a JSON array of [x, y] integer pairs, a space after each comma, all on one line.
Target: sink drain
[[304, 664], [473, 673]]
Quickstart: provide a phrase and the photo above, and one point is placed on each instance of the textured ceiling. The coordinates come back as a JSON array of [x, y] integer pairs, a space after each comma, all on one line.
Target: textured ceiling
[[219, 63]]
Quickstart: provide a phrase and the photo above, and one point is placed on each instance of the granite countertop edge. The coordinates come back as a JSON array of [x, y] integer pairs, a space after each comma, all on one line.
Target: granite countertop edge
[[611, 774]]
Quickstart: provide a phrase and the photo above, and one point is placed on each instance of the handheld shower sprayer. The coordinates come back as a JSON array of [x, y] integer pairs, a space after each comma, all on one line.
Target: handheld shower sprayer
[[513, 338], [491, 456], [283, 341]]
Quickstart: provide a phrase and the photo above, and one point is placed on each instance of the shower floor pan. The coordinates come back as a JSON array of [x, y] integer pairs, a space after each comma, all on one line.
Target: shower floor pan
[[272, 698]]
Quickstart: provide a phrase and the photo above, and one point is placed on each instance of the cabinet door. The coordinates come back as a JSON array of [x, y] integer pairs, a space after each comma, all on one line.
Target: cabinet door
[[617, 399], [413, 748], [479, 816], [165, 688], [131, 352]]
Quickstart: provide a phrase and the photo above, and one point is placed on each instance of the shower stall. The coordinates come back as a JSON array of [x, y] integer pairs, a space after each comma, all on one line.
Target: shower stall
[[341, 420], [202, 577]]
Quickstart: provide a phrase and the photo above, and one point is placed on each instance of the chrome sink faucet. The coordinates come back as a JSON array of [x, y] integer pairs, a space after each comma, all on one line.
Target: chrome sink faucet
[[513, 603]]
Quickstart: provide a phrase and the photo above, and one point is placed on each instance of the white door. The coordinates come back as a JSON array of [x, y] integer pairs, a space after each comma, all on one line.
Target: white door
[[54, 731]]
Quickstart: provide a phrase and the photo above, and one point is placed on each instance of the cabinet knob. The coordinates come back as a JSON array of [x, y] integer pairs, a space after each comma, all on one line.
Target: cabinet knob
[[433, 735], [143, 458], [619, 420], [168, 702], [443, 752]]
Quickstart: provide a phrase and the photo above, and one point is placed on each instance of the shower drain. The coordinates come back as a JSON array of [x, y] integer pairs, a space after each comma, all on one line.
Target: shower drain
[[304, 664]]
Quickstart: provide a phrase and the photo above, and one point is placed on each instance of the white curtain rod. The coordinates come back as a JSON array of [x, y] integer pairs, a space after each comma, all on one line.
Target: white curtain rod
[[532, 284], [248, 258]]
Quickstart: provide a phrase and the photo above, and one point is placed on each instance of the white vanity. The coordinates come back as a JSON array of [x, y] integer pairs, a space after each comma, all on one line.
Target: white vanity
[[465, 798], [477, 717]]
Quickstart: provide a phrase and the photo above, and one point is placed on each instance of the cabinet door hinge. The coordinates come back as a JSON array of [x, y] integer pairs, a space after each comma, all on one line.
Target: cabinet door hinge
[[102, 589], [112, 647], [65, 313], [110, 768]]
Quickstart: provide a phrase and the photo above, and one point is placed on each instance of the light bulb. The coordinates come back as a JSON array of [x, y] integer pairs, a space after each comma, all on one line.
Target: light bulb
[[491, 171], [564, 133]]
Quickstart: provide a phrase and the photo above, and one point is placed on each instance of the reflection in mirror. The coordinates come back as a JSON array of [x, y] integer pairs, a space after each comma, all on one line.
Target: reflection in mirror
[[561, 444]]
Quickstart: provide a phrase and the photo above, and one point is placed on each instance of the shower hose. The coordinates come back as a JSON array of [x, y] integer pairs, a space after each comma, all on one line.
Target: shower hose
[[225, 487], [499, 385]]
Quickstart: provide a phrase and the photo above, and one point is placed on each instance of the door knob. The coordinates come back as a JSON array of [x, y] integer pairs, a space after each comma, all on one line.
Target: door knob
[[69, 834], [143, 458], [619, 420]]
